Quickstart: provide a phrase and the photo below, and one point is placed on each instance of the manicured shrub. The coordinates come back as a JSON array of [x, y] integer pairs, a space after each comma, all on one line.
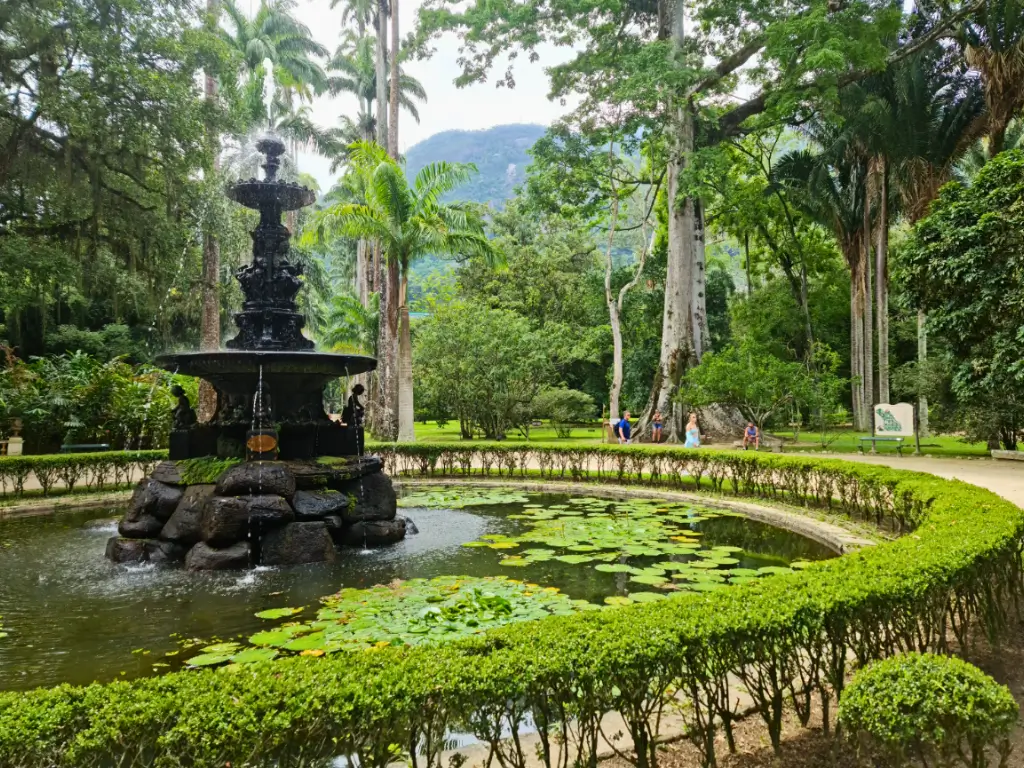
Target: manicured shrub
[[938, 709], [71, 470], [789, 639]]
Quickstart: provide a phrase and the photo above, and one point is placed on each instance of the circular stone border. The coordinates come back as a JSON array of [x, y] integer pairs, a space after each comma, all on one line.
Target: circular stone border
[[835, 537]]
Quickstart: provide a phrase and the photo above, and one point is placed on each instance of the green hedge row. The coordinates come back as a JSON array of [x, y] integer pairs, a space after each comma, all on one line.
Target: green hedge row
[[67, 470], [788, 638]]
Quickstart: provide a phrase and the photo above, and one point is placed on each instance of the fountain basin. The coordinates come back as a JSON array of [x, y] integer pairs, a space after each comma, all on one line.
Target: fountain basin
[[285, 373]]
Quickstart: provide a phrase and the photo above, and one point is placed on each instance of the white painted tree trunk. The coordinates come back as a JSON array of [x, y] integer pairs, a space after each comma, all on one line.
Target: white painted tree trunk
[[406, 407], [698, 298], [393, 95], [382, 73], [922, 356], [882, 284]]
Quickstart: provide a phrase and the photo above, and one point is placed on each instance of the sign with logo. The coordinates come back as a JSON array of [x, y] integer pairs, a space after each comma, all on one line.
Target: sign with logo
[[894, 420]]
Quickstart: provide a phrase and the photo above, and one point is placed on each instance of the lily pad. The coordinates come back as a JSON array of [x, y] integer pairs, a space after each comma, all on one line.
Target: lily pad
[[613, 568], [278, 613], [253, 655]]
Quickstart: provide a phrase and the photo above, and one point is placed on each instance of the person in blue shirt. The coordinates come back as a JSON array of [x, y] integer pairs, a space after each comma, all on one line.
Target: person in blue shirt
[[692, 433], [623, 430], [751, 435]]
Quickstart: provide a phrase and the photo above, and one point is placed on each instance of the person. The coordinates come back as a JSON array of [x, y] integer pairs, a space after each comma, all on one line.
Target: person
[[751, 435], [623, 430], [352, 414], [656, 427], [692, 433]]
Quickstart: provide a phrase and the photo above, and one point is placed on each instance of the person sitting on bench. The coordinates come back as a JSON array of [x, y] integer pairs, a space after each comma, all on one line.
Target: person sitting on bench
[[751, 435]]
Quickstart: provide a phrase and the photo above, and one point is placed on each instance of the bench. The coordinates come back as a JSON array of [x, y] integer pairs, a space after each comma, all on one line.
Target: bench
[[85, 447], [897, 440]]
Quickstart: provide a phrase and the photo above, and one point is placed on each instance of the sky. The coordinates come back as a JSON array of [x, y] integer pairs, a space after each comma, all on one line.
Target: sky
[[472, 108]]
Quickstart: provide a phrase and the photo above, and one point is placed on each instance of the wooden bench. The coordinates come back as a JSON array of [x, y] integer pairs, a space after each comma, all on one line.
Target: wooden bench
[[897, 440], [85, 447]]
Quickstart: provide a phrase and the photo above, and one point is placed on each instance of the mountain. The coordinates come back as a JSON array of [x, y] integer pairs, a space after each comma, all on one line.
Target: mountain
[[499, 153]]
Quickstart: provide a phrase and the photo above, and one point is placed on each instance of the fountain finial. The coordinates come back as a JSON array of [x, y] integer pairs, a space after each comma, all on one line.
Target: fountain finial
[[273, 148]]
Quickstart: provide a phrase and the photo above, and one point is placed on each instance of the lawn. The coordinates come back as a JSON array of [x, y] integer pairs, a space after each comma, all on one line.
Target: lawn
[[846, 442]]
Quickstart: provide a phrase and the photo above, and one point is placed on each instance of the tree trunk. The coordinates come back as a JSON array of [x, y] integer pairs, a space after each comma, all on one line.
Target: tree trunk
[[406, 407], [382, 73], [869, 322], [856, 345], [384, 424], [746, 252], [922, 356], [698, 299], [882, 283], [613, 306], [362, 289], [393, 96], [677, 352], [209, 322]]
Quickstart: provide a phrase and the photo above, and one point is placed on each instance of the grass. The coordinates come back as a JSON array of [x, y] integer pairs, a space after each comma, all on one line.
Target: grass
[[847, 442], [449, 433]]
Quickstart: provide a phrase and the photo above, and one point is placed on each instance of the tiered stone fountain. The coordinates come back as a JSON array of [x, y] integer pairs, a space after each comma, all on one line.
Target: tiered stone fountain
[[299, 486]]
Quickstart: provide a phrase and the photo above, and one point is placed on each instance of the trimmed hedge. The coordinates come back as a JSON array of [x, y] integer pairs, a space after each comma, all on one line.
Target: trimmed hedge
[[936, 708], [66, 470], [787, 638]]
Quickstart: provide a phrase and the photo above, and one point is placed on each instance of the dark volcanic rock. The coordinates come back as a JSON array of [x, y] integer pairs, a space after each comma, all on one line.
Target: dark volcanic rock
[[268, 510], [127, 550], [336, 526], [167, 472], [316, 475], [315, 505], [185, 524], [371, 498], [410, 526], [225, 520], [203, 557], [165, 551], [153, 498], [256, 478], [142, 527], [375, 533], [297, 543]]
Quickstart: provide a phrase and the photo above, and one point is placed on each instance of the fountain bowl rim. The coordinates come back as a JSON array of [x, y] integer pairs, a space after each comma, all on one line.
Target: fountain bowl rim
[[241, 361]]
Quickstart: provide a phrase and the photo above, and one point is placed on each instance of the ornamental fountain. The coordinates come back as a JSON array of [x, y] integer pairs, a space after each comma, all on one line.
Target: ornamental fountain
[[270, 479]]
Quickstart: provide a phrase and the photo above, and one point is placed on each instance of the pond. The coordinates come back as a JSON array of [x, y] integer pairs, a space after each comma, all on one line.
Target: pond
[[69, 615]]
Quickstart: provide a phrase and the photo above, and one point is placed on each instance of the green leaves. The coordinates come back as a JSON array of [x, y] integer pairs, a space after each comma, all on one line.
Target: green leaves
[[926, 705]]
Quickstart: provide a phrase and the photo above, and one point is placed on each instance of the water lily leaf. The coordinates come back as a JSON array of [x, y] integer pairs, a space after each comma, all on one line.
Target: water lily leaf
[[652, 580], [209, 659], [514, 562], [645, 597], [613, 568], [220, 648], [772, 569], [617, 600], [278, 613], [253, 655], [274, 639], [727, 549], [306, 642]]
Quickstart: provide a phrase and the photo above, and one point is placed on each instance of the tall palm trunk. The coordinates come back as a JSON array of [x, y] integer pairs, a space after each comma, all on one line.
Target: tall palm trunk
[[382, 72], [868, 350], [882, 282], [856, 346], [393, 96], [406, 407], [209, 323]]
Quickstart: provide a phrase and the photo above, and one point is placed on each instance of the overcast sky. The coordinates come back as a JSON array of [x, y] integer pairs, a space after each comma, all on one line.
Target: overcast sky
[[472, 108]]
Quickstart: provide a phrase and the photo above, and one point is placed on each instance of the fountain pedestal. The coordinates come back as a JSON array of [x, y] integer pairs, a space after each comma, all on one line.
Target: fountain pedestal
[[270, 412]]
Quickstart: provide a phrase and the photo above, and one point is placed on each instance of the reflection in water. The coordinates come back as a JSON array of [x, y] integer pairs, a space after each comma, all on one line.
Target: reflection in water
[[75, 617]]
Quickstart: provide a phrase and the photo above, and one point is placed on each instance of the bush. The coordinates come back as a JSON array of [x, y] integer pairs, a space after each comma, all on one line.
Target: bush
[[936, 708], [564, 408], [67, 470], [788, 639]]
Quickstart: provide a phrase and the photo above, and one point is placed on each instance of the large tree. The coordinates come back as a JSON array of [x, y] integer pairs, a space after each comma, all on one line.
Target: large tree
[[676, 76], [408, 221]]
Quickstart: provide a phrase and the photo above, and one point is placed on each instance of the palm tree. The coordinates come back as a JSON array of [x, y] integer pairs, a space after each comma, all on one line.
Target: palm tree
[[351, 327], [353, 70], [360, 12], [913, 120], [977, 154], [274, 34], [994, 47], [408, 221], [831, 188]]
